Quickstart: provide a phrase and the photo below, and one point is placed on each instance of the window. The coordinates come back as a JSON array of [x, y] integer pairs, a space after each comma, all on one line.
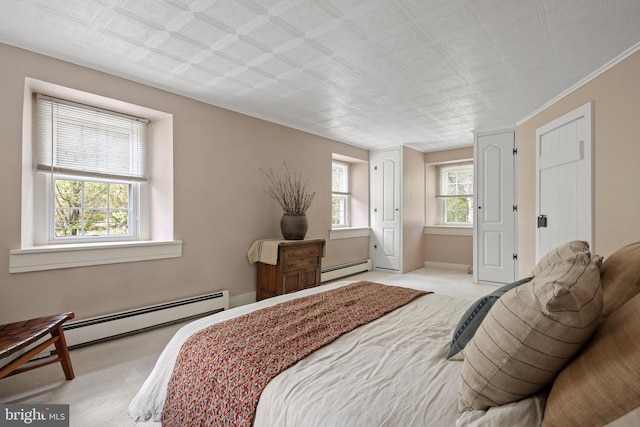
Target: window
[[340, 195], [90, 208], [455, 193], [113, 188], [94, 161]]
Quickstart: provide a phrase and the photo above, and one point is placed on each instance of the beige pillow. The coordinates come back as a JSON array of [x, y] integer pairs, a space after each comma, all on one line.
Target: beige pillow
[[601, 383], [531, 333], [560, 253], [620, 274]]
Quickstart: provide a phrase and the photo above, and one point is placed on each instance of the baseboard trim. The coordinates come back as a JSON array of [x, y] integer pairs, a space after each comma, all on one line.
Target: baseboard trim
[[338, 271], [446, 265]]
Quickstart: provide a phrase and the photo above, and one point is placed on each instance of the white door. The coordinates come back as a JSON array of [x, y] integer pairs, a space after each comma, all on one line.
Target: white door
[[495, 254], [385, 209], [564, 187]]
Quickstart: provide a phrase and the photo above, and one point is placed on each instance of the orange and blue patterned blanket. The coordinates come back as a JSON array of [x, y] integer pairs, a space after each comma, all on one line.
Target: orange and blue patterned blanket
[[221, 371]]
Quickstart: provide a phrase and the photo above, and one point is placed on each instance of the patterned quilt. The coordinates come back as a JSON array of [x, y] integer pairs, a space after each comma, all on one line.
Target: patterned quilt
[[221, 371]]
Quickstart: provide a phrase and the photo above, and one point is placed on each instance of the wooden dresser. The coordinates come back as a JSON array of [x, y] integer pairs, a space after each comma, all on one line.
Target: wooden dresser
[[298, 267]]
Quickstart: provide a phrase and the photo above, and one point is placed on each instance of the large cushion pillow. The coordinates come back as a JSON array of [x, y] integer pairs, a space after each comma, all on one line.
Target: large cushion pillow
[[620, 274], [531, 333], [566, 251], [473, 317], [601, 383]]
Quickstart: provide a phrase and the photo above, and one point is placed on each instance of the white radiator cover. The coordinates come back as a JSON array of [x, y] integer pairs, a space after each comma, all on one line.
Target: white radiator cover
[[336, 272], [88, 331]]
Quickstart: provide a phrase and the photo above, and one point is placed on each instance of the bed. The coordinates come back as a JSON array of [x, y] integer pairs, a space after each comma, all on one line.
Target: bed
[[402, 368]]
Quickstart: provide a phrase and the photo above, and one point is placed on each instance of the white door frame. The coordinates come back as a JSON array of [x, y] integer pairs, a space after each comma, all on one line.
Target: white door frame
[[585, 111]]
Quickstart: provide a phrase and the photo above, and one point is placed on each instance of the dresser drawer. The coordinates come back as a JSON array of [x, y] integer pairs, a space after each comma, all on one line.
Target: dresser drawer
[[297, 264], [306, 251]]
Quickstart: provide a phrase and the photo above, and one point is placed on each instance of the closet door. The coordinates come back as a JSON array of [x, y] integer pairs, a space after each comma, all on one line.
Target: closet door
[[386, 222], [495, 256]]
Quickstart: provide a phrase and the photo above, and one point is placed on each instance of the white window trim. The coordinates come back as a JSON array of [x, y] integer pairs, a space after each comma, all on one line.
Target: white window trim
[[449, 230], [349, 232], [84, 254], [159, 243]]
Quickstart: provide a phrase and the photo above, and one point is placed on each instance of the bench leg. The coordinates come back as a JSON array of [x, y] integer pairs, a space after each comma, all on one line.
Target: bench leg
[[63, 352]]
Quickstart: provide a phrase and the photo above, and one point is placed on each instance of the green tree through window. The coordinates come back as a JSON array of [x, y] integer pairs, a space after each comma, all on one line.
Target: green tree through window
[[91, 208], [456, 191]]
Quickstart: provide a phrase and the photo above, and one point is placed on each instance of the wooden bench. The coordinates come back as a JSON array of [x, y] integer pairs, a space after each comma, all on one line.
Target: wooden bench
[[19, 335]]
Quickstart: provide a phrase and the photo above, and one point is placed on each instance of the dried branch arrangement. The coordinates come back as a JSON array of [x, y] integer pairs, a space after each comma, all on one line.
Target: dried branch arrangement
[[289, 191]]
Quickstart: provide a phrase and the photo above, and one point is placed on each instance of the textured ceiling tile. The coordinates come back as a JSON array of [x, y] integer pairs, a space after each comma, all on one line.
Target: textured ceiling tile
[[302, 80], [195, 74], [182, 48], [117, 45], [343, 36], [370, 73], [231, 14], [273, 65], [277, 89], [269, 35], [158, 12], [267, 7], [302, 53], [350, 8], [250, 77], [306, 17], [161, 62], [242, 50], [126, 26], [199, 27], [383, 18], [218, 64], [81, 12]]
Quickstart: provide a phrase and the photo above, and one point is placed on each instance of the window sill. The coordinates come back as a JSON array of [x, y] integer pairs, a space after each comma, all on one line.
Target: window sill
[[448, 230], [80, 255], [348, 232]]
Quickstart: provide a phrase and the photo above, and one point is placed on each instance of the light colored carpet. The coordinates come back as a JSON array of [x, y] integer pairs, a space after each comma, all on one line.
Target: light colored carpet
[[109, 374]]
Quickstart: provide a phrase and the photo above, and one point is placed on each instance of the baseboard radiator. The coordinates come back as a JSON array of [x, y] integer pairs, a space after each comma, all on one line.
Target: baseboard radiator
[[101, 328], [343, 270]]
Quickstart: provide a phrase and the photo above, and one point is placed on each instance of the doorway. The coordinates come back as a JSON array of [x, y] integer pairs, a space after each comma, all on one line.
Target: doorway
[[564, 184]]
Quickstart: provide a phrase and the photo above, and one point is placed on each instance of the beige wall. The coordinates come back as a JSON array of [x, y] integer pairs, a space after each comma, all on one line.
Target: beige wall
[[616, 117], [455, 250], [444, 249], [413, 204], [220, 206]]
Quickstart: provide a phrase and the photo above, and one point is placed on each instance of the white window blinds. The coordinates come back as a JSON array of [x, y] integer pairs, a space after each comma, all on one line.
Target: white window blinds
[[87, 141]]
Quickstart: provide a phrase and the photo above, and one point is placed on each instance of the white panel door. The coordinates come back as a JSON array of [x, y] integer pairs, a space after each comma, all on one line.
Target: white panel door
[[385, 216], [495, 254], [564, 186]]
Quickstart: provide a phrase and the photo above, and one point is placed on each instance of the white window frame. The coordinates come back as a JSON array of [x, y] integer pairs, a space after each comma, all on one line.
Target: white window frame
[[155, 237], [443, 195], [133, 212], [344, 195], [64, 166]]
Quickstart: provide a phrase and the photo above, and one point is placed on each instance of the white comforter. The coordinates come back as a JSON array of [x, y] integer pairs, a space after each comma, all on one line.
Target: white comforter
[[390, 372]]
